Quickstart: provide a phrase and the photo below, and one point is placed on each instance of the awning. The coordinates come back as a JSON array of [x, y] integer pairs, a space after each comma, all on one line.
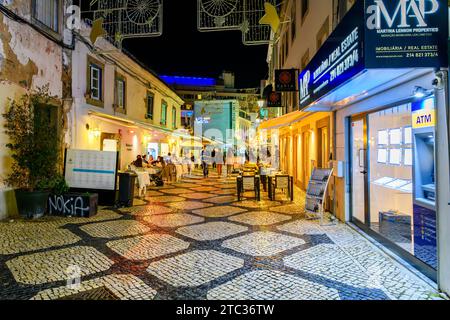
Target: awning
[[113, 119], [283, 121]]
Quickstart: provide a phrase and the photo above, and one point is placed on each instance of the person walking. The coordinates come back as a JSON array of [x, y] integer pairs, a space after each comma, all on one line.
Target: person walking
[[219, 162], [213, 158], [230, 161], [205, 160]]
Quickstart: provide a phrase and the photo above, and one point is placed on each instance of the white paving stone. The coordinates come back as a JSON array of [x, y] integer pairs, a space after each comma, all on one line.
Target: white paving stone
[[194, 268], [211, 231], [260, 218], [263, 244], [148, 247], [173, 220], [271, 285], [51, 266]]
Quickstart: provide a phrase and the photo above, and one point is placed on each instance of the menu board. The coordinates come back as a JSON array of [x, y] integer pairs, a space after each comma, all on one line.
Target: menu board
[[86, 169]]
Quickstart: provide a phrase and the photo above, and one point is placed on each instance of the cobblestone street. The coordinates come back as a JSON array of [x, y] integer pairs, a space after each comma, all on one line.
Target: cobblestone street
[[193, 240]]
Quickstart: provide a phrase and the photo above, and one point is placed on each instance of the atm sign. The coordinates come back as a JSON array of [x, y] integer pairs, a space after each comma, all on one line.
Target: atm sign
[[424, 119]]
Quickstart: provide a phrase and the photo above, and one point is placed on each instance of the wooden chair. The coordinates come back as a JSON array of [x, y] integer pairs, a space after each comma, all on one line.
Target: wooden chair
[[283, 182]]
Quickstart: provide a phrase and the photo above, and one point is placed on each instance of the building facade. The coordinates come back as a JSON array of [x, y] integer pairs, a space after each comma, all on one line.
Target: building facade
[[120, 105], [34, 53], [388, 99]]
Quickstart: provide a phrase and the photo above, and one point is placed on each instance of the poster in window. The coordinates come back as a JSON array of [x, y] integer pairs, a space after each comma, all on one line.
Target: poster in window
[[395, 156], [383, 138], [395, 136]]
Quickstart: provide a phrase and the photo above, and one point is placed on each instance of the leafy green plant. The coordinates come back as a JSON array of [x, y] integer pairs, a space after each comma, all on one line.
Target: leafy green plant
[[34, 147]]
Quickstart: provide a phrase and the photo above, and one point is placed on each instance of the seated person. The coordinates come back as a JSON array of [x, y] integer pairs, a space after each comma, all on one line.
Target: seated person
[[138, 163]]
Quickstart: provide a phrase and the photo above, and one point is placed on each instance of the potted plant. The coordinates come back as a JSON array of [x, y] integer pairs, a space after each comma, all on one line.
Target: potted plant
[[34, 150]]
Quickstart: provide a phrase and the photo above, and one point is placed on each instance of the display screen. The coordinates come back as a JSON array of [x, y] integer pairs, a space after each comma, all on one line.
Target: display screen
[[395, 156], [395, 136]]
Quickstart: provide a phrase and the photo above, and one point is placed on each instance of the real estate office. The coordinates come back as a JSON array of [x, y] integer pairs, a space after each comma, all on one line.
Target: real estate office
[[383, 74]]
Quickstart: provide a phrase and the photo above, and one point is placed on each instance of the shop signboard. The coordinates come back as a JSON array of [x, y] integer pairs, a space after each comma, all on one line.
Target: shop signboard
[[378, 34], [406, 33], [339, 59], [274, 100], [286, 80]]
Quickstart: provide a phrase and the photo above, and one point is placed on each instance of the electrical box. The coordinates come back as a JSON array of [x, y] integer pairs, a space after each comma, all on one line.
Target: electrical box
[[338, 168]]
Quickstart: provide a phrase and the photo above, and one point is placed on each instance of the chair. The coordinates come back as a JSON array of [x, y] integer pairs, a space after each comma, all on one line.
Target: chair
[[249, 183], [283, 182]]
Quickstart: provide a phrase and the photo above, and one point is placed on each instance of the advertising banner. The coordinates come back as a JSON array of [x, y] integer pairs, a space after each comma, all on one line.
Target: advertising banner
[[406, 33], [374, 34], [339, 59]]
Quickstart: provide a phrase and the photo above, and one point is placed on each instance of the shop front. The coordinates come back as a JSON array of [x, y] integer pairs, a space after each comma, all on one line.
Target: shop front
[[386, 82]]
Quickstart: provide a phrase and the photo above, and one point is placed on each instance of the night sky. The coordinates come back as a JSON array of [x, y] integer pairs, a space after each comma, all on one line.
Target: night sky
[[182, 50]]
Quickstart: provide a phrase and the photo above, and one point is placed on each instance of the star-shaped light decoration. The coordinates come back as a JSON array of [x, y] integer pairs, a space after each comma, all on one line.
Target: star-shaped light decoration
[[271, 17], [97, 30]]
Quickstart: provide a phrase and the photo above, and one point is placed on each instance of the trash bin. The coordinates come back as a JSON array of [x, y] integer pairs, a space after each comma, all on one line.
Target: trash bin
[[127, 181]]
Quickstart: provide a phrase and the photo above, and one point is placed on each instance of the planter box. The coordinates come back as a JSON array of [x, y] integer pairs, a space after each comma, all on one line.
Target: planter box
[[73, 204]]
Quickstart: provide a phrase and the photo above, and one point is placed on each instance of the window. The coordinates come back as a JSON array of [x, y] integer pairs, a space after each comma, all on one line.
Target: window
[[305, 8], [150, 105], [163, 113], [96, 82], [120, 93], [323, 33], [293, 20], [47, 12], [174, 117]]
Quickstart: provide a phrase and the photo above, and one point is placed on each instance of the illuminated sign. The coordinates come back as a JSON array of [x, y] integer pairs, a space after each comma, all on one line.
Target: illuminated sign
[[423, 114], [406, 33], [202, 120], [339, 59], [392, 34], [189, 81]]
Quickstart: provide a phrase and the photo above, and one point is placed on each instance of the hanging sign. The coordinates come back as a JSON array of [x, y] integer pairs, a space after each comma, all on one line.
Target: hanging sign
[[286, 80], [274, 100], [406, 33]]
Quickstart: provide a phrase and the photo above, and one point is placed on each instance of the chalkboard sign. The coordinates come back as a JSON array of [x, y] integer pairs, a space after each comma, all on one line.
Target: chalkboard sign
[[249, 183]]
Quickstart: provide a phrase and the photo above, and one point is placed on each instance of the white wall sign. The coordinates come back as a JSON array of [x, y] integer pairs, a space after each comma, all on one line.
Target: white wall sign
[[87, 169]]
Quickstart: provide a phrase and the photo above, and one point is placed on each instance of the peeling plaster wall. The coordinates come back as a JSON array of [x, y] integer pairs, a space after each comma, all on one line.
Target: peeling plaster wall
[[28, 60]]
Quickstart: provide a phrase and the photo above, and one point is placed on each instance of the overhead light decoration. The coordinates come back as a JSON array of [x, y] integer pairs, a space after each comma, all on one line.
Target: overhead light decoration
[[97, 30], [242, 15], [125, 19], [271, 17]]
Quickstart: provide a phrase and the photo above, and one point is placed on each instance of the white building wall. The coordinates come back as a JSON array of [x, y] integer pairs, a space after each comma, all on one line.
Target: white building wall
[[138, 83], [28, 60]]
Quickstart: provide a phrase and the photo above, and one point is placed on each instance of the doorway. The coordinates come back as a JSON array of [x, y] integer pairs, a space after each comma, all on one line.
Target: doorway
[[359, 173], [306, 159]]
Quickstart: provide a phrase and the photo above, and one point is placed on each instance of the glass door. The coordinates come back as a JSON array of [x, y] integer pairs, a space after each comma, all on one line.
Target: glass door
[[359, 170]]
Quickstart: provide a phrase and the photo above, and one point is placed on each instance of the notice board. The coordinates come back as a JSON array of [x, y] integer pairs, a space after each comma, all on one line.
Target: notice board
[[93, 170]]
